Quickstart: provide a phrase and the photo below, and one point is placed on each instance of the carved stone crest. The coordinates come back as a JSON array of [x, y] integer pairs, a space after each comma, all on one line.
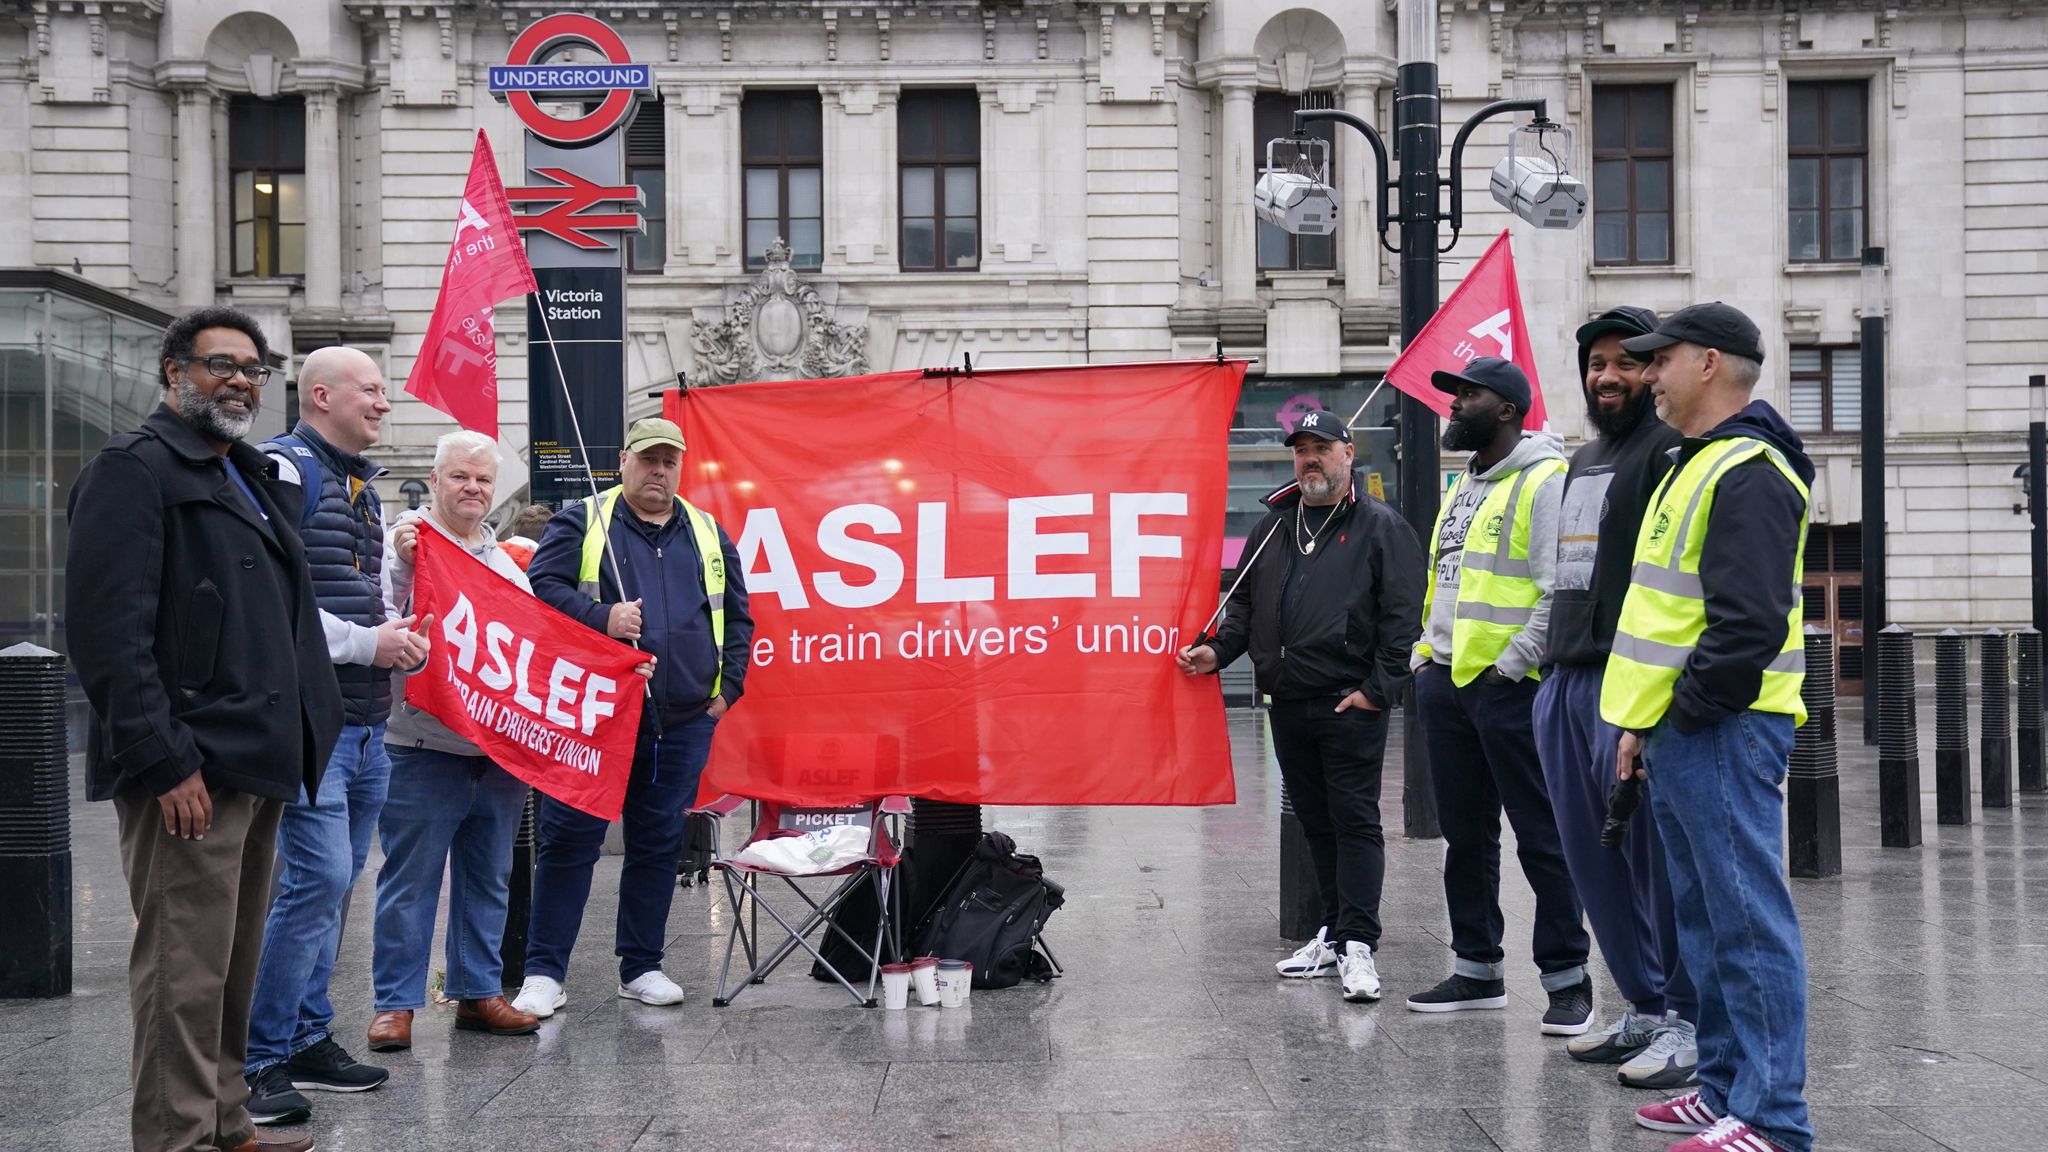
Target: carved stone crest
[[777, 328]]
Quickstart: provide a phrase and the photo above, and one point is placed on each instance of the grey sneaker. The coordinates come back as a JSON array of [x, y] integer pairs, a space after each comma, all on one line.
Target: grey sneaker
[[1617, 1042], [1670, 1061]]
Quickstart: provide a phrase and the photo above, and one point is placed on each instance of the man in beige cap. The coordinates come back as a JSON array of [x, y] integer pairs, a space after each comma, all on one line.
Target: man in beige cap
[[640, 564]]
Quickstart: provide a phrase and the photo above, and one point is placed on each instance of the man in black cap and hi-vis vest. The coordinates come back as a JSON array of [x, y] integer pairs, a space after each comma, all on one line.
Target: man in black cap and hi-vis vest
[[685, 603], [1704, 683], [1484, 629]]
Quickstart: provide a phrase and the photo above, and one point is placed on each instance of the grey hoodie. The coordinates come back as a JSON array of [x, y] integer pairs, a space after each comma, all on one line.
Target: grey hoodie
[[1525, 652], [412, 727]]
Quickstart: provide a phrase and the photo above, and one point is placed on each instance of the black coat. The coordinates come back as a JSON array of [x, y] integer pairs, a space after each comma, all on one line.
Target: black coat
[[1351, 620], [192, 622]]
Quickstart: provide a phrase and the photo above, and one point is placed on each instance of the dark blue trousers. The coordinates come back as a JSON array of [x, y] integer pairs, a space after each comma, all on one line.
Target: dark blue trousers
[[1626, 893], [658, 799], [1482, 762]]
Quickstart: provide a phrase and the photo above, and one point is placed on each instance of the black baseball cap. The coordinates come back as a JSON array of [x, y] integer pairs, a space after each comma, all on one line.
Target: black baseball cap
[[1491, 373], [1322, 425], [1714, 325], [1624, 322]]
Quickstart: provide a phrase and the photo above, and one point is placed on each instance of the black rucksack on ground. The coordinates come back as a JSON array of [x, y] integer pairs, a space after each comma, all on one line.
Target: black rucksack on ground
[[700, 845], [992, 913]]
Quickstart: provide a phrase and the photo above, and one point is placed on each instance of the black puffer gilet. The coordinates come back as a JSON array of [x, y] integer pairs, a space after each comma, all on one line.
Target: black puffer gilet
[[344, 540]]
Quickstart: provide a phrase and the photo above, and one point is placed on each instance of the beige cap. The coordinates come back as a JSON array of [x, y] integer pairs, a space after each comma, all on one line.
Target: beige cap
[[651, 431]]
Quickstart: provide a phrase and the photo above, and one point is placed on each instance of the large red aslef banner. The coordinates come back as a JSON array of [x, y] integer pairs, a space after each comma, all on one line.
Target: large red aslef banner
[[552, 702], [970, 588]]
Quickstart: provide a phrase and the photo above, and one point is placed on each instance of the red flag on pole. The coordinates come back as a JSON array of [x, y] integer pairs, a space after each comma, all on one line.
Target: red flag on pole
[[457, 367], [1483, 317]]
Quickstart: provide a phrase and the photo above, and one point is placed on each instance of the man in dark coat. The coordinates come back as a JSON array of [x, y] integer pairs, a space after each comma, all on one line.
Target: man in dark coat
[[193, 628]]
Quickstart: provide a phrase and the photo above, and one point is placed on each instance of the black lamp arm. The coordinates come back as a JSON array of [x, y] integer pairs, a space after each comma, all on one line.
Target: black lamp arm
[[1456, 177], [1387, 189]]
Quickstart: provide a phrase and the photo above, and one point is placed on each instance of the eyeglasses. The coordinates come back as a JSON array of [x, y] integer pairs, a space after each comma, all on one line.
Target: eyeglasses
[[225, 367]]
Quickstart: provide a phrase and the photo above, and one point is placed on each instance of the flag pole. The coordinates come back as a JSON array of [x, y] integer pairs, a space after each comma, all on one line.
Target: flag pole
[[1245, 570]]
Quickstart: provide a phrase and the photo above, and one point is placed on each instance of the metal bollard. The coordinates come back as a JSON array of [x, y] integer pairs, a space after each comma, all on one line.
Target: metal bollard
[[2028, 701], [518, 903], [1301, 896], [1813, 786], [1995, 721], [1898, 742], [1951, 727], [939, 837], [35, 826], [2028, 704]]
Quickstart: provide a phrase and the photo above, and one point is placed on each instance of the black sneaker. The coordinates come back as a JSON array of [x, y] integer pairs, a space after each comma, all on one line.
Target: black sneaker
[[1460, 994], [1571, 1010], [327, 1067], [273, 1100]]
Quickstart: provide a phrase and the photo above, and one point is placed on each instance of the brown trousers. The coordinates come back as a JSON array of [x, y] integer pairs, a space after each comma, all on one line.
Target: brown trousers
[[199, 912]]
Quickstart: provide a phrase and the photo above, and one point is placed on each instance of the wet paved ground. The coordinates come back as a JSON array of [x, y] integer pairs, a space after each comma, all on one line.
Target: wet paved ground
[[1929, 1017]]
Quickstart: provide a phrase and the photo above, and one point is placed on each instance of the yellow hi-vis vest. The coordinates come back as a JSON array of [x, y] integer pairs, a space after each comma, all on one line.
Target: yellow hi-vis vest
[[1496, 593], [597, 518], [1666, 610]]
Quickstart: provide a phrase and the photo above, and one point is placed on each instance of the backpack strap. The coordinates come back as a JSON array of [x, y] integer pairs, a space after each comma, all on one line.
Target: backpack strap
[[298, 464]]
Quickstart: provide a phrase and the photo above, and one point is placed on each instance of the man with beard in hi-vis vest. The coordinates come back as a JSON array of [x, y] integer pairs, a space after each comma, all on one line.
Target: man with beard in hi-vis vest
[[1477, 666], [1704, 682]]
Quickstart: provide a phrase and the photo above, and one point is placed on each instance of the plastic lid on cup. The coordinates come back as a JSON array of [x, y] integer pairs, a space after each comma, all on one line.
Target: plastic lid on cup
[[955, 965], [924, 962], [896, 969]]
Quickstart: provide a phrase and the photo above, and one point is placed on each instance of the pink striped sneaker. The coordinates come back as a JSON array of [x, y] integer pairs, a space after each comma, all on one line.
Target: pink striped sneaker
[[1727, 1135], [1678, 1114]]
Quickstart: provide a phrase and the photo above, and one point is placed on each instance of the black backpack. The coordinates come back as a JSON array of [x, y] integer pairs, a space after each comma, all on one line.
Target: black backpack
[[992, 912]]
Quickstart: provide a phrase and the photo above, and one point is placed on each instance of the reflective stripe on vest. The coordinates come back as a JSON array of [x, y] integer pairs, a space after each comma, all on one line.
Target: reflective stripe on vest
[[1665, 612], [1497, 592], [597, 521]]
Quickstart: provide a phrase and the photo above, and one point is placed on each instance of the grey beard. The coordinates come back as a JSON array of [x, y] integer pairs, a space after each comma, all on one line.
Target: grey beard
[[1317, 487], [204, 413]]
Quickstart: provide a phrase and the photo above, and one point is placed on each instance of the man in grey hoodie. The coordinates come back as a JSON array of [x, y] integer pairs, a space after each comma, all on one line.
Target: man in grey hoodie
[[1485, 624]]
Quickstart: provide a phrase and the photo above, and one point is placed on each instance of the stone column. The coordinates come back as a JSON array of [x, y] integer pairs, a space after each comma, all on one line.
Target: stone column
[[860, 174], [1236, 167], [1358, 213], [704, 177], [324, 218], [194, 197]]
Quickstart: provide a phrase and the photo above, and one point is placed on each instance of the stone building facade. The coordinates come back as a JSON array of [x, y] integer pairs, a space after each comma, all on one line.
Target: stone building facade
[[1046, 181]]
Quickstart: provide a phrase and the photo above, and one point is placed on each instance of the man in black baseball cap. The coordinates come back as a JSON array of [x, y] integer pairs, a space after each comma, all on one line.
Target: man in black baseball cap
[[1320, 425], [1492, 373]]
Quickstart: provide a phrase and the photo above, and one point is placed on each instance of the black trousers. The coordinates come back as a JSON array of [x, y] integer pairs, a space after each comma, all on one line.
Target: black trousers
[[1330, 762], [1482, 761]]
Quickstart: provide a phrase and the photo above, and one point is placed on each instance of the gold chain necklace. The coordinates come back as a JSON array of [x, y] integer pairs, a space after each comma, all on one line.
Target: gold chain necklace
[[1299, 524]]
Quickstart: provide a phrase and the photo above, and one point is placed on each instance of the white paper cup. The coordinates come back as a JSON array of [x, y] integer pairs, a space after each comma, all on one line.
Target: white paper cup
[[954, 976], [895, 986], [924, 976]]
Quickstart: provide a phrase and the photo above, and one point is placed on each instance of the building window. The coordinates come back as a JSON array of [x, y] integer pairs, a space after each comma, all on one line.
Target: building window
[[1273, 117], [647, 168], [1827, 170], [1827, 390], [939, 148], [782, 146], [267, 182], [1632, 174]]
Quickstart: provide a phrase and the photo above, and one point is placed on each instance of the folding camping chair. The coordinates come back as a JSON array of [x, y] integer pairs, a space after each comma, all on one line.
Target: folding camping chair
[[746, 882]]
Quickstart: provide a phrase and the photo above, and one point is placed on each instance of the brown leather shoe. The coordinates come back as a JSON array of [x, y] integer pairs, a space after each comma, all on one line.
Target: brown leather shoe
[[278, 1142], [391, 1031], [496, 1016]]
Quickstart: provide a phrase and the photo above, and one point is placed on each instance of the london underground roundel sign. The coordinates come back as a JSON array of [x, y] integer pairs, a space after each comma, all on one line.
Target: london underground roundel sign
[[617, 77]]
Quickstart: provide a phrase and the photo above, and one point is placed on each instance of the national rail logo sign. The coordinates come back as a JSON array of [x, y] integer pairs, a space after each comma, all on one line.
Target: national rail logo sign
[[619, 79]]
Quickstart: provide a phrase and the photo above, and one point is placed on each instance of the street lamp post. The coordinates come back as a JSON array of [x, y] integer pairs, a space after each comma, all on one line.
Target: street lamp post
[[1419, 191]]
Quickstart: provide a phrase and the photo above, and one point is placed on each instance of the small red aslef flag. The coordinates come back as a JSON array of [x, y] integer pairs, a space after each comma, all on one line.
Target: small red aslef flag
[[1483, 317], [457, 367]]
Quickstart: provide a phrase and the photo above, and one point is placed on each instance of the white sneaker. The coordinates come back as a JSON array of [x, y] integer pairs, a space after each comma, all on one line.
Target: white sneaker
[[1315, 958], [652, 988], [1361, 979], [540, 996]]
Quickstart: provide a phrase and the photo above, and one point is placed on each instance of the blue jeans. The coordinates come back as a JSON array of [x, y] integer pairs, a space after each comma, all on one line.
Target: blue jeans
[[1625, 893], [321, 847], [658, 799], [458, 811], [1716, 797]]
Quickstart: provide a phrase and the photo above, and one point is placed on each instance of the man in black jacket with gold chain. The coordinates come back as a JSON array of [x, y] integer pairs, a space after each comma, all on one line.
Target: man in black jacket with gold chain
[[192, 624], [1329, 612]]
